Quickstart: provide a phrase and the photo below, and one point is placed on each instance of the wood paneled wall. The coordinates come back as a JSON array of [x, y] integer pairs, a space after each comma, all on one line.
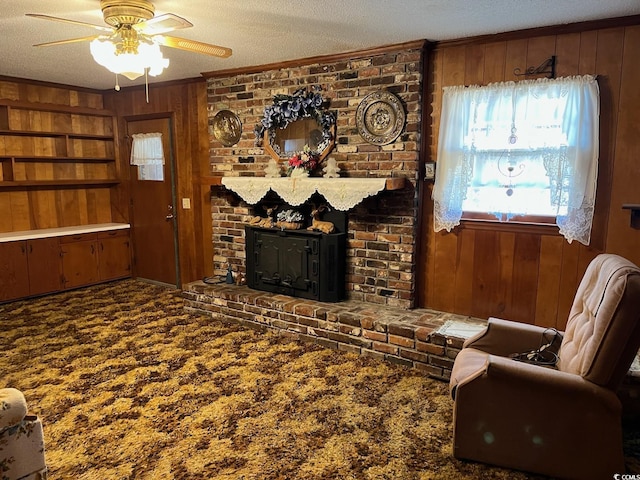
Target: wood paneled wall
[[186, 103], [529, 273]]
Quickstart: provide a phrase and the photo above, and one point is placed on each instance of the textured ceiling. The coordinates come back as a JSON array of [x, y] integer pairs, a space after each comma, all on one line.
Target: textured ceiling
[[267, 31]]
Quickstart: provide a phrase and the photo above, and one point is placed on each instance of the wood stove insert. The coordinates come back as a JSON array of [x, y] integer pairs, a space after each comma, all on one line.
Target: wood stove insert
[[299, 263]]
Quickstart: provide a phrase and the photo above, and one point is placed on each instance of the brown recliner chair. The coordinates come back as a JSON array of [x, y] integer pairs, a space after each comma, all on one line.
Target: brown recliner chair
[[563, 421]]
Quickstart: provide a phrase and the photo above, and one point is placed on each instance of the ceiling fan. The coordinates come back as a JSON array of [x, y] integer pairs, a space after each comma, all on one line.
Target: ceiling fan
[[129, 43]]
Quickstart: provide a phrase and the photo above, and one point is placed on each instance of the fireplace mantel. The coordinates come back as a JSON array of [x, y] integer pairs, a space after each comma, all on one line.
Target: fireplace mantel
[[341, 193]]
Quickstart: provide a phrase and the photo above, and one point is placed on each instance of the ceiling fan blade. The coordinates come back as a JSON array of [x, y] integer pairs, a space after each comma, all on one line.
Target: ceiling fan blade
[[193, 46], [73, 22], [70, 40], [162, 24]]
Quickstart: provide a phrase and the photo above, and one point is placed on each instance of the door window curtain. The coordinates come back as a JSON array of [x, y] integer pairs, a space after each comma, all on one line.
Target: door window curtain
[[147, 153], [554, 123]]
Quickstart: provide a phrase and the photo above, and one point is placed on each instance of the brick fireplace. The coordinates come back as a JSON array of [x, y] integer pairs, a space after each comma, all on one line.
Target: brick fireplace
[[381, 232]]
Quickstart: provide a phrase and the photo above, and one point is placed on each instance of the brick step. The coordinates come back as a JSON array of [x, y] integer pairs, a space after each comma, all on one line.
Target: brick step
[[425, 339]]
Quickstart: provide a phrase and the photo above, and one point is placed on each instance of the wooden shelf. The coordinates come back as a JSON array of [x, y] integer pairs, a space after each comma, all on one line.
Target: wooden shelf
[[52, 184], [34, 133], [395, 183], [211, 181], [43, 158], [52, 107], [82, 136], [635, 214]]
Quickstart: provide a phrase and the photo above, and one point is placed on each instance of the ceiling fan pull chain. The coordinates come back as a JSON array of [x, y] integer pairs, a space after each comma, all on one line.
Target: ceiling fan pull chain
[[146, 83], [117, 87]]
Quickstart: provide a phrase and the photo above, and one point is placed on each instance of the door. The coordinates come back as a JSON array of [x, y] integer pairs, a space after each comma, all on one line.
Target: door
[[153, 216]]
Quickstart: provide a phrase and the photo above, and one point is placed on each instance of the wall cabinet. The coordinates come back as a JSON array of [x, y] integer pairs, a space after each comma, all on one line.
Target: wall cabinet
[[95, 257], [43, 258], [29, 267], [79, 255], [114, 255], [14, 276], [51, 264]]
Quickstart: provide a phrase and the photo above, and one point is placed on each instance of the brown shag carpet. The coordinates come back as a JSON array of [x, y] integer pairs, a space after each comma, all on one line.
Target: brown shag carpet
[[130, 386]]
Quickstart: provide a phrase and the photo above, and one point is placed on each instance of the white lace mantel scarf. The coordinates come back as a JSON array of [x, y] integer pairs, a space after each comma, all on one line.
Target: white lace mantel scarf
[[342, 193]]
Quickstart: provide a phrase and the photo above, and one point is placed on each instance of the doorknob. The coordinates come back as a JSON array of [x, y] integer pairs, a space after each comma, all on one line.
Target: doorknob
[[171, 216]]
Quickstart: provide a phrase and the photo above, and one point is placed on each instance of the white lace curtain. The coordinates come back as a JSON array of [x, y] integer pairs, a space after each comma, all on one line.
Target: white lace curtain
[[556, 121], [146, 149]]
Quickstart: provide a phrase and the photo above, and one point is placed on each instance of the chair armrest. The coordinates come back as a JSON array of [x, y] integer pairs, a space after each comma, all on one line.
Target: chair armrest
[[504, 337], [559, 389], [13, 407], [525, 416]]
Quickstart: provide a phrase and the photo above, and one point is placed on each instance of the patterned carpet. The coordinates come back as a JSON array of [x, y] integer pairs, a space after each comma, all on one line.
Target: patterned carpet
[[129, 386]]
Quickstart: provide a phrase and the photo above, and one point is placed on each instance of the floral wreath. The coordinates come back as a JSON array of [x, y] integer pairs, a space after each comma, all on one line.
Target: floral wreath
[[290, 108]]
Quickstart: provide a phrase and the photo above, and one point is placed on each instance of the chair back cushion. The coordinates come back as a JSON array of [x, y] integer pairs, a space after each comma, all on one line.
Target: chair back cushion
[[603, 330]]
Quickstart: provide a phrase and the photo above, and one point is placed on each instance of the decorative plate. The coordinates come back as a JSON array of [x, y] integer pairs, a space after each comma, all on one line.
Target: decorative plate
[[380, 117], [227, 127]]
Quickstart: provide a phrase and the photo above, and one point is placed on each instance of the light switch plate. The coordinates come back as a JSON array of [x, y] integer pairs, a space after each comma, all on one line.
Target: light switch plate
[[429, 170], [186, 203]]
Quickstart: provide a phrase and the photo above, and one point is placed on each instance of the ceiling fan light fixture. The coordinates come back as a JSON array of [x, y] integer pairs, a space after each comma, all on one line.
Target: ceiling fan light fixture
[[130, 64]]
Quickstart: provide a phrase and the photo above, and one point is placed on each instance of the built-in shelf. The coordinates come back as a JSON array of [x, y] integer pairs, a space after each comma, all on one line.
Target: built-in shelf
[[55, 107], [53, 184], [31, 133], [52, 139], [44, 158], [635, 214]]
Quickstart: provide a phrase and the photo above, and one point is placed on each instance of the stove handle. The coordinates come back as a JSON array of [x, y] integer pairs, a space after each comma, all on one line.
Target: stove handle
[[275, 280]]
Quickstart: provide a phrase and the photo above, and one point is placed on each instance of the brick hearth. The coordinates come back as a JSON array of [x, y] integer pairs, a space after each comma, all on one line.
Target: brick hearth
[[415, 338]]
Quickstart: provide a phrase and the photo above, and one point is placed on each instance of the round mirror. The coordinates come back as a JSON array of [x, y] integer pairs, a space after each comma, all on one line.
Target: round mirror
[[294, 122], [298, 134], [283, 143]]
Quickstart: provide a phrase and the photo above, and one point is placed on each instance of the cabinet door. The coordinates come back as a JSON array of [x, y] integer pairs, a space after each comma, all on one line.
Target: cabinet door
[[114, 255], [14, 273], [43, 255], [79, 263]]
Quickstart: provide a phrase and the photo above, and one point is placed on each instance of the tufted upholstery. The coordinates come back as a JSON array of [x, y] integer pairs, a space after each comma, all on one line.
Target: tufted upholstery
[[601, 321], [564, 421]]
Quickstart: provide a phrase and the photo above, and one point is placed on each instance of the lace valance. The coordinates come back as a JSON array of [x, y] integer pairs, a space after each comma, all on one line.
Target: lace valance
[[341, 193]]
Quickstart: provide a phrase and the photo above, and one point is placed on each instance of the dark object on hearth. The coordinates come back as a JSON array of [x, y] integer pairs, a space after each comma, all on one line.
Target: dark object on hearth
[[229, 278], [298, 263]]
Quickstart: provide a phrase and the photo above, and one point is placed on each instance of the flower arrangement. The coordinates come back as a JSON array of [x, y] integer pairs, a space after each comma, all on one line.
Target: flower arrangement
[[290, 108], [304, 162]]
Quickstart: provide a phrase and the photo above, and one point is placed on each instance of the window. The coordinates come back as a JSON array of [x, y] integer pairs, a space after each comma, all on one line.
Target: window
[[147, 153], [518, 149]]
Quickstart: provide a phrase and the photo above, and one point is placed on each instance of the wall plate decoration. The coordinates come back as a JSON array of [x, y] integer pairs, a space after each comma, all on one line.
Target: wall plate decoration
[[380, 117], [227, 127]]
